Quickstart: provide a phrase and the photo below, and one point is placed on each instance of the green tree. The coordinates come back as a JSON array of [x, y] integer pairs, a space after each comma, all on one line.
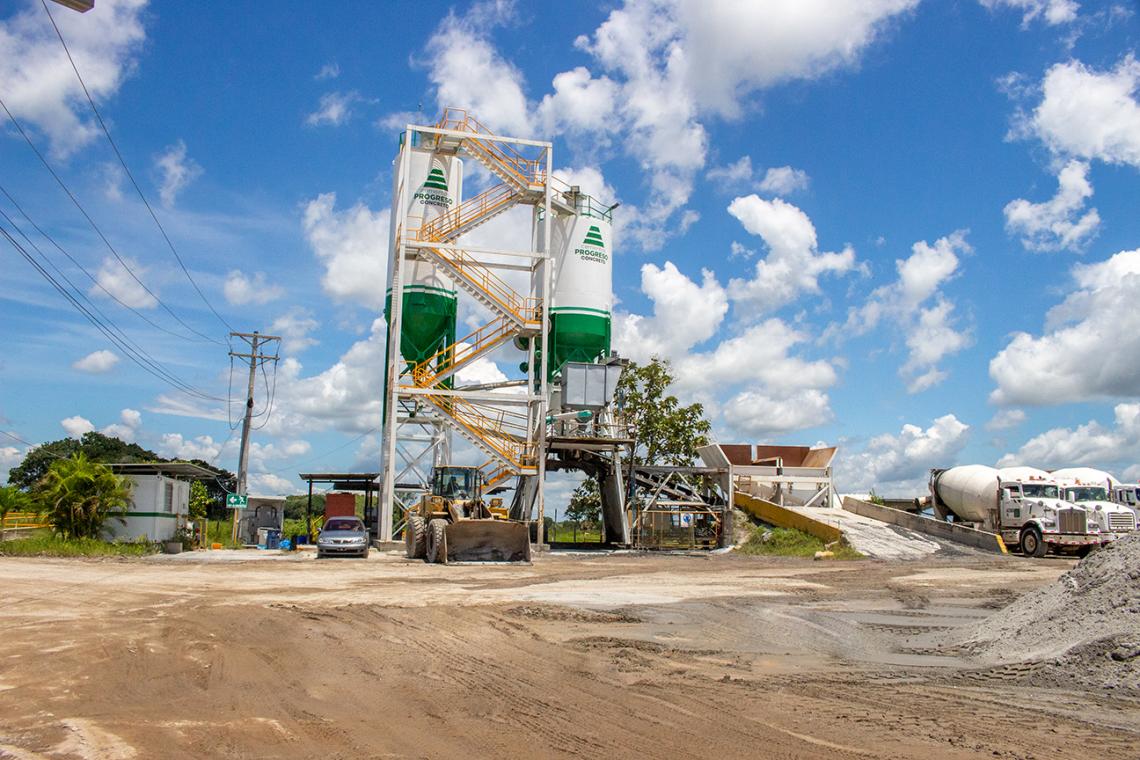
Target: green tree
[[585, 503], [95, 446], [666, 433], [79, 496], [200, 500]]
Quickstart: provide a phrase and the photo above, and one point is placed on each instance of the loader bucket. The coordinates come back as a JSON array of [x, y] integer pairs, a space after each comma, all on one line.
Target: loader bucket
[[488, 541]]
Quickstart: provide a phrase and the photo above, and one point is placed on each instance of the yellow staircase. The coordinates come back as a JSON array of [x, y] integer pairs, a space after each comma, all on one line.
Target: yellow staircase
[[500, 432]]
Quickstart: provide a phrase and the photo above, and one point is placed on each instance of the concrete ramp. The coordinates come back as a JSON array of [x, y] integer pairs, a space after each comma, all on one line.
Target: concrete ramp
[[874, 538], [937, 530]]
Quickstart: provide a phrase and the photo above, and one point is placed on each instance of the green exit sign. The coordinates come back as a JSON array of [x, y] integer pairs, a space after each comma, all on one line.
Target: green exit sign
[[236, 501]]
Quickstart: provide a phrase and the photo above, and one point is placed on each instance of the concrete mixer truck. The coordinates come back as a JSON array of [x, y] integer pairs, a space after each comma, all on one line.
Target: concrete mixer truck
[[1023, 507], [1092, 490]]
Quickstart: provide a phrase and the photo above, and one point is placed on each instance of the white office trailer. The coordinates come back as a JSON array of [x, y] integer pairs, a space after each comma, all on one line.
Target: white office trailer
[[160, 499]]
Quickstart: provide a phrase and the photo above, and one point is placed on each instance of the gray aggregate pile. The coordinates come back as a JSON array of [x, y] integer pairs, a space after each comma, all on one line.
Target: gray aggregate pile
[[1082, 630]]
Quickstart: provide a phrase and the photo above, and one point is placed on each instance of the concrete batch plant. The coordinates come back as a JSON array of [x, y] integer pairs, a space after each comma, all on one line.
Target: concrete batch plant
[[552, 303]]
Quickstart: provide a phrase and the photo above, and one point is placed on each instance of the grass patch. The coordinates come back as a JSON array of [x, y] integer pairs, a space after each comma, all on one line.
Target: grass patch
[[789, 542], [45, 544]]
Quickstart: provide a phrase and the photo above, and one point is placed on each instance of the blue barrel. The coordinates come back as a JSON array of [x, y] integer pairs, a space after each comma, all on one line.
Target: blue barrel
[[273, 539]]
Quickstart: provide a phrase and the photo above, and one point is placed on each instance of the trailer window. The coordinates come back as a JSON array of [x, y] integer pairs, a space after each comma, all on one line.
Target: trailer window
[[1039, 491]]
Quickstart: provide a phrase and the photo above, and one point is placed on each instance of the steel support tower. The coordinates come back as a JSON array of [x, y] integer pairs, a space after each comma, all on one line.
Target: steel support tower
[[505, 425]]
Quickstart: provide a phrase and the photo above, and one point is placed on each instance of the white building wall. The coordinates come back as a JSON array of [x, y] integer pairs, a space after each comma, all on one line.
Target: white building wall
[[149, 516]]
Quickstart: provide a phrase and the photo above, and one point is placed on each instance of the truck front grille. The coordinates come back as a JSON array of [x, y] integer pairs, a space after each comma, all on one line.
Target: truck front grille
[[1072, 520], [1121, 522]]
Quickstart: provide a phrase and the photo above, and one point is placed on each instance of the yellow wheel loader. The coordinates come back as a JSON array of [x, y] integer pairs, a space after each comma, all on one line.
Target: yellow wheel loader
[[455, 524]]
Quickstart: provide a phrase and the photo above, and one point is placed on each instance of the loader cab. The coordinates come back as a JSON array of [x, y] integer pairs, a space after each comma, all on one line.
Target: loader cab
[[457, 483]]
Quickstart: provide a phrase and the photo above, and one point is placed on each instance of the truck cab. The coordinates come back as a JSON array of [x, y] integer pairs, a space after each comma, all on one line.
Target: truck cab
[[1033, 516], [1108, 516], [1127, 495]]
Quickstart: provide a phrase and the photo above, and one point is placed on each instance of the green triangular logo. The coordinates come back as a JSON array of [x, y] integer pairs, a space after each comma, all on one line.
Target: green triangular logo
[[594, 237], [435, 179]]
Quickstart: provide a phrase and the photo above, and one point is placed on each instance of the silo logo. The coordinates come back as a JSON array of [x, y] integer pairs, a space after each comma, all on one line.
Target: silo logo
[[434, 191], [593, 239]]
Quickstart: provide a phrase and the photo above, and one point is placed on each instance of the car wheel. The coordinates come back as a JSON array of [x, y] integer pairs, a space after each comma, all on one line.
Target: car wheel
[[364, 555], [1031, 543], [415, 537], [436, 541]]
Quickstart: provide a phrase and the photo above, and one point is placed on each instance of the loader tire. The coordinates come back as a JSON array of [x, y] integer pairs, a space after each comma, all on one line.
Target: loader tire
[[436, 541], [415, 537]]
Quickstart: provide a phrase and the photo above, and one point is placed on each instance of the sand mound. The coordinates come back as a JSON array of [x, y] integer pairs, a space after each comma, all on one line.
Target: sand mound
[[1084, 628]]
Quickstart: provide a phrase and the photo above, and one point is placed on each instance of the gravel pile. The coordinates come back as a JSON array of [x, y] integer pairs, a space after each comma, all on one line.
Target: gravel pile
[[1084, 629]]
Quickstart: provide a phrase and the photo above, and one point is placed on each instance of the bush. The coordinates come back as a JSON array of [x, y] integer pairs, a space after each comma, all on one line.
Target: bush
[[45, 544], [79, 496], [789, 542]]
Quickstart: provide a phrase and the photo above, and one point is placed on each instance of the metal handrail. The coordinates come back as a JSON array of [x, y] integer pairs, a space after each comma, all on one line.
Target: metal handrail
[[462, 351], [445, 227]]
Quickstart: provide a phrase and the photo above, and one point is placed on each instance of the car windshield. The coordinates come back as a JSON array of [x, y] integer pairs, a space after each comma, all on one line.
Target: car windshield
[[1085, 493], [345, 524], [1039, 491]]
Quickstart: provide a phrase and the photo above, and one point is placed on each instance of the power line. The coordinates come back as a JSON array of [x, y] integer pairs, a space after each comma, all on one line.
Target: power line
[[83, 269], [95, 226], [123, 163], [112, 332], [120, 338]]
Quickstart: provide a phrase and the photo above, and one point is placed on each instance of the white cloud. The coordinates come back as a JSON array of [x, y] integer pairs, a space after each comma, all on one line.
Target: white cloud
[[240, 289], [684, 314], [114, 279], [127, 429], [334, 109], [176, 170], [468, 72], [1006, 419], [1089, 347], [579, 103], [294, 327], [97, 362], [1053, 11], [1089, 114], [793, 264], [784, 180], [915, 304], [1090, 444], [732, 49], [757, 415], [10, 456], [330, 70], [1052, 225], [76, 426], [175, 446], [345, 396], [775, 391], [899, 464], [36, 79], [182, 406], [353, 245], [737, 173], [269, 484]]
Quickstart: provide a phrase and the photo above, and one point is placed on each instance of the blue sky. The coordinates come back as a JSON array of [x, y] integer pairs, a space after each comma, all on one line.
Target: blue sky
[[906, 228]]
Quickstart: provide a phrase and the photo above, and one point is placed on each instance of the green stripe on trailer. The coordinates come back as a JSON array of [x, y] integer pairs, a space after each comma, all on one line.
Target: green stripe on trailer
[[169, 515]]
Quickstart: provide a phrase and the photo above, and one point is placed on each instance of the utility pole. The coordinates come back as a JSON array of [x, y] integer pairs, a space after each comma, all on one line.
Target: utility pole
[[256, 357]]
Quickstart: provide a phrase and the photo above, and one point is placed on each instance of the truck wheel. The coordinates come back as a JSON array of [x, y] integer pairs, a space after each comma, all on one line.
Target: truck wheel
[[1031, 543], [436, 538], [415, 537]]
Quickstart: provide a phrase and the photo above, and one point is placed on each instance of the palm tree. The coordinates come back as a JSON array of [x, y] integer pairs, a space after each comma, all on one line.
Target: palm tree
[[12, 499], [79, 496]]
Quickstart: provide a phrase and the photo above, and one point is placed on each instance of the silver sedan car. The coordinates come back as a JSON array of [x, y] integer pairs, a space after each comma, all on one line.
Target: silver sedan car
[[343, 536]]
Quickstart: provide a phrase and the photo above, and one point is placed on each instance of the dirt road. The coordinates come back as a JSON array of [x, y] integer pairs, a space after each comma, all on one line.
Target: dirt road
[[588, 656]]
